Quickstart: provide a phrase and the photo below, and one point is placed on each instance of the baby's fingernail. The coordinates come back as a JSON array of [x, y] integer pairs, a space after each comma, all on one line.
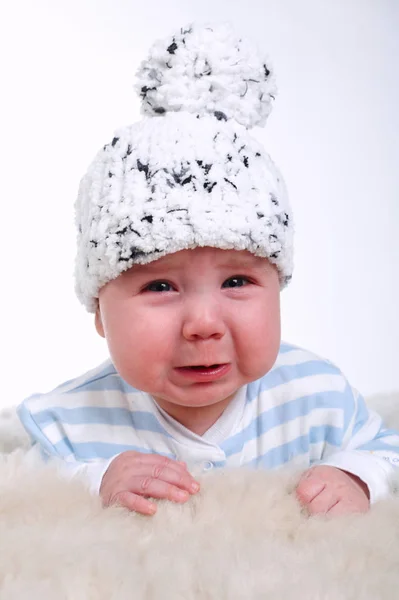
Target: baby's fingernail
[[195, 487]]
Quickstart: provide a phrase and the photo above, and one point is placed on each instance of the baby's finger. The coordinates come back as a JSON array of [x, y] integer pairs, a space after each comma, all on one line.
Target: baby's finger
[[308, 489], [135, 503], [348, 506], [179, 478], [154, 459], [338, 509], [157, 488], [323, 502]]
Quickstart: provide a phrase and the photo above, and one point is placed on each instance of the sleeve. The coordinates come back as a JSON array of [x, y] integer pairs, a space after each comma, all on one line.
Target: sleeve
[[57, 448], [91, 474], [369, 450]]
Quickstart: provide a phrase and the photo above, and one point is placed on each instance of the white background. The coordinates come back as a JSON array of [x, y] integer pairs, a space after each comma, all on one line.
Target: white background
[[67, 75]]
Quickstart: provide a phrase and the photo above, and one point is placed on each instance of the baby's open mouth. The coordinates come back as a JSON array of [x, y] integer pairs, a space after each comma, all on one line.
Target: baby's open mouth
[[203, 367], [205, 373]]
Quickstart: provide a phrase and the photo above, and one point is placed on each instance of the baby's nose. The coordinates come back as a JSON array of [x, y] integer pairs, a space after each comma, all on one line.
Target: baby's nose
[[203, 320]]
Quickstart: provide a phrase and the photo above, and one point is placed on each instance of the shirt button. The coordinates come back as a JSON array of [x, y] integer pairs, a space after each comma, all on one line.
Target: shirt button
[[208, 465]]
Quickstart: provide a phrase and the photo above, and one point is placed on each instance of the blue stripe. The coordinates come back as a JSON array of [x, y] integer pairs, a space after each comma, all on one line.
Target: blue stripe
[[377, 445], [282, 454], [362, 415], [278, 415], [287, 373], [378, 442], [96, 415], [100, 450], [325, 433], [386, 432], [286, 347], [34, 431]]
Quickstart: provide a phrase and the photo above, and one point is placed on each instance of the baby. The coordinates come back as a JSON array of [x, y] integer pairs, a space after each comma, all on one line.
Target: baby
[[184, 244]]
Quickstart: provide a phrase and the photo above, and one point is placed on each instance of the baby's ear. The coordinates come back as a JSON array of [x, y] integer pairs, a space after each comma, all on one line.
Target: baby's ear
[[99, 322]]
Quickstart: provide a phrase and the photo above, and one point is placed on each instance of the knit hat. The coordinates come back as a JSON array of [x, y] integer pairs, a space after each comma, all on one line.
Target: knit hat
[[188, 174]]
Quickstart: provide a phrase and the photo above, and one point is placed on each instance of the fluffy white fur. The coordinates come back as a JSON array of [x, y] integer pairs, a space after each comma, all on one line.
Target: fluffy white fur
[[244, 536]]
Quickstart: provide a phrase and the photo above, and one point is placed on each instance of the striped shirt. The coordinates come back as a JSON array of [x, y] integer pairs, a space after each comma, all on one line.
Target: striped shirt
[[302, 412]]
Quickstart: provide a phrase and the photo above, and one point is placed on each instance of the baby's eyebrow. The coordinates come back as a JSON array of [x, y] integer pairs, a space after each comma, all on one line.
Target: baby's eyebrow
[[150, 270], [252, 262]]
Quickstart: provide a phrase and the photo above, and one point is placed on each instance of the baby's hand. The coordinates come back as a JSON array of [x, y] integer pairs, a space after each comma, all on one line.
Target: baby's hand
[[132, 477], [331, 491]]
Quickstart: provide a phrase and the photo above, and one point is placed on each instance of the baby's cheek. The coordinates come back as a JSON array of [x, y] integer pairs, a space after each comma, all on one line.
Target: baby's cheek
[[140, 372], [259, 353], [132, 358]]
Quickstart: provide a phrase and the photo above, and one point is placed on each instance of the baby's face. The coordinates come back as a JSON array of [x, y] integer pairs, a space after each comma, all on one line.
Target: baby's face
[[194, 308]]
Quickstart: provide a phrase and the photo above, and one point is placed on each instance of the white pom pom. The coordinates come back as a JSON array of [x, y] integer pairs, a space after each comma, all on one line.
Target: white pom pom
[[207, 69]]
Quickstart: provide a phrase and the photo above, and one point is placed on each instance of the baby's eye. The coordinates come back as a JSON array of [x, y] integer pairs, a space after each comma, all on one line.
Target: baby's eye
[[158, 286], [237, 281]]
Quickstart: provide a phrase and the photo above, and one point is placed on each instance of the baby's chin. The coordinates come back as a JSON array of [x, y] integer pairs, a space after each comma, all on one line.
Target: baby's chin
[[197, 396]]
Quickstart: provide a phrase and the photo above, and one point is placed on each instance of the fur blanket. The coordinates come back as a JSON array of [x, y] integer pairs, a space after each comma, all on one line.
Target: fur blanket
[[243, 536]]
